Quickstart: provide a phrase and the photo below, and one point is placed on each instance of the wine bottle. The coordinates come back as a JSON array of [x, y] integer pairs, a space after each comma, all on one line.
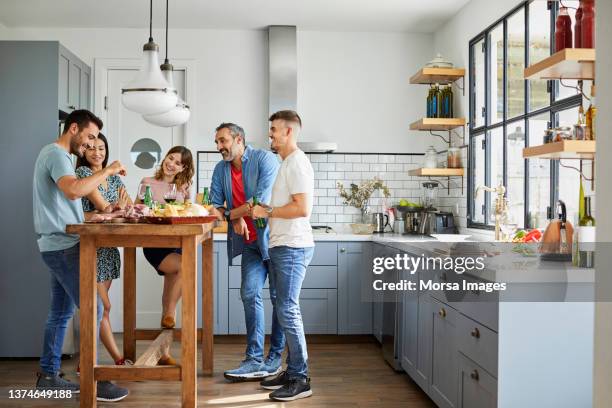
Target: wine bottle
[[586, 235], [591, 115]]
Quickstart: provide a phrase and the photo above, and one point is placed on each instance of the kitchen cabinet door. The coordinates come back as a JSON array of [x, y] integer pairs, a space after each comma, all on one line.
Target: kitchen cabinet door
[[477, 388], [84, 98], [74, 85], [424, 341], [354, 289], [443, 388], [319, 309], [378, 250], [63, 83], [220, 318], [410, 336]]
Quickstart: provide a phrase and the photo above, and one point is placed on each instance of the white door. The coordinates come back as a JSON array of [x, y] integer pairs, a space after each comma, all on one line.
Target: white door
[[138, 145]]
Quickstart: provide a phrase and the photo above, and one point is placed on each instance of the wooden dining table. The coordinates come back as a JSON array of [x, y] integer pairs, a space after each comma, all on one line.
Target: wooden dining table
[[130, 236]]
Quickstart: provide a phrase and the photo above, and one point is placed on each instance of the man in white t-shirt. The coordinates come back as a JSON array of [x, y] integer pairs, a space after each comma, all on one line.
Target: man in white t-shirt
[[291, 248]]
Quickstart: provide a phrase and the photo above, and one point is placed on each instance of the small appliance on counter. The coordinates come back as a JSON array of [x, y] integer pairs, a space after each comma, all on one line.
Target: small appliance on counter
[[380, 221], [441, 223], [557, 238]]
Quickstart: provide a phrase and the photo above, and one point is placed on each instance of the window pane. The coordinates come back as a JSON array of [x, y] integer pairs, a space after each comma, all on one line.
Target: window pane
[[478, 78], [478, 177], [516, 64], [539, 174], [515, 189], [569, 179], [539, 48], [496, 139], [496, 74], [564, 91]]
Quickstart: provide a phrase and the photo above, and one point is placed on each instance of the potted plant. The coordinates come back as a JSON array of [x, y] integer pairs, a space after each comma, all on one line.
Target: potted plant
[[358, 195]]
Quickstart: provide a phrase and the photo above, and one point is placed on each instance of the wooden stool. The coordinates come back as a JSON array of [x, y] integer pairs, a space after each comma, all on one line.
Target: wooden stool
[[131, 236]]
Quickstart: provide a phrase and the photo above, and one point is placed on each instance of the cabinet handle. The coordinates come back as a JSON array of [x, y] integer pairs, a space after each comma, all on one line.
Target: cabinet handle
[[475, 333], [72, 107], [343, 250], [442, 312], [474, 375]]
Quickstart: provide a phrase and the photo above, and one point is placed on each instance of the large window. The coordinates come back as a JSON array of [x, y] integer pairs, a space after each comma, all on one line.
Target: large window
[[508, 113]]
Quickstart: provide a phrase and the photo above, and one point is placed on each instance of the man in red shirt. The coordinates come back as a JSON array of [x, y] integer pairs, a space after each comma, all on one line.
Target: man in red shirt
[[244, 174]]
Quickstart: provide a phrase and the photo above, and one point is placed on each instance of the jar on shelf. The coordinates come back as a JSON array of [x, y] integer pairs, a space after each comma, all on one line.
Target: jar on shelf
[[453, 158], [430, 160], [563, 133]]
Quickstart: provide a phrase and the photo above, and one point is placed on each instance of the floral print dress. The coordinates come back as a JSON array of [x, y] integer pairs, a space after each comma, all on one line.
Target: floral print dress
[[109, 262]]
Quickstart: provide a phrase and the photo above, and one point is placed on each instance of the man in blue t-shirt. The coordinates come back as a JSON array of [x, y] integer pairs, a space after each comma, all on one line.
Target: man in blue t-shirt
[[57, 194]]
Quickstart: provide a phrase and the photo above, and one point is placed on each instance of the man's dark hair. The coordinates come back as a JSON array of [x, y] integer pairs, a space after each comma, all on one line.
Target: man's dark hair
[[82, 117], [287, 115], [234, 129]]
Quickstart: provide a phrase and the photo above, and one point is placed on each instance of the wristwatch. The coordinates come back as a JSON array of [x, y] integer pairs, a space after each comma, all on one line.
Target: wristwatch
[[226, 214], [269, 210]]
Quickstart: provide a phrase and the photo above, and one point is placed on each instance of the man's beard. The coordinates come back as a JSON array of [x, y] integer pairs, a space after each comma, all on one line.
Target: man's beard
[[230, 153], [76, 147]]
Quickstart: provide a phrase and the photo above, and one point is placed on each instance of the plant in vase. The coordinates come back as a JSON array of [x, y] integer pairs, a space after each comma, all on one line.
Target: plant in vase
[[358, 195]]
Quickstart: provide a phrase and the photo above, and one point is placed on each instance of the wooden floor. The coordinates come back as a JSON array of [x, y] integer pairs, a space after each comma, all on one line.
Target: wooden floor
[[342, 375]]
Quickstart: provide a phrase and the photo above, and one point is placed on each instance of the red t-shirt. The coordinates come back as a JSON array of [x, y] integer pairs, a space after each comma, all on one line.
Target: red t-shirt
[[238, 199]]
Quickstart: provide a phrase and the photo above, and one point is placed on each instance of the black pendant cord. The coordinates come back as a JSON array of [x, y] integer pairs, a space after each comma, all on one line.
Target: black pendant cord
[[151, 21], [166, 31]]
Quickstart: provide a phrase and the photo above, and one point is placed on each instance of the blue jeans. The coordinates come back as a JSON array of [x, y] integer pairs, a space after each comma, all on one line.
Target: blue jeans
[[254, 271], [287, 272], [64, 268]]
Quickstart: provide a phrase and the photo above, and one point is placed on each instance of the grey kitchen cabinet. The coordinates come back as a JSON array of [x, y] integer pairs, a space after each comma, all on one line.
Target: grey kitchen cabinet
[[73, 82], [378, 250], [354, 288], [424, 341], [477, 388], [410, 327], [443, 384], [220, 289], [319, 309], [33, 74]]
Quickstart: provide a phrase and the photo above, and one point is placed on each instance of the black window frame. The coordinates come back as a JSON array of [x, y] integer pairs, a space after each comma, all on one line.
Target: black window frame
[[552, 109]]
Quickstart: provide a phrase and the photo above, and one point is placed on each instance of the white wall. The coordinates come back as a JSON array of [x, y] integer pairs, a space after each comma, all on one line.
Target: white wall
[[353, 87], [603, 311]]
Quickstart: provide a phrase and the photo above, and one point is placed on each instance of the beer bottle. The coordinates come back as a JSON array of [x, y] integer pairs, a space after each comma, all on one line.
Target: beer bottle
[[259, 223]]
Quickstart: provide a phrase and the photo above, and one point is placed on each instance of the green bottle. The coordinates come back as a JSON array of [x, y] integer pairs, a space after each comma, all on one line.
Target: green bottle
[[205, 197], [148, 198], [586, 236], [259, 223]]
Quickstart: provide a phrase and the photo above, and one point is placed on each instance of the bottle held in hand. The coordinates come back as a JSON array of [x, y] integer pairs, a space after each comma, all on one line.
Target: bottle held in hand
[[259, 223]]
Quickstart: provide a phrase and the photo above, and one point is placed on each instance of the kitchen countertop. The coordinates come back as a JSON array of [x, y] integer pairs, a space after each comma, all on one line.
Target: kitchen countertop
[[345, 236]]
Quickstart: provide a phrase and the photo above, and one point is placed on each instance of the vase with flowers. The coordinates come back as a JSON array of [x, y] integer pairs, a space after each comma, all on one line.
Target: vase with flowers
[[358, 196]]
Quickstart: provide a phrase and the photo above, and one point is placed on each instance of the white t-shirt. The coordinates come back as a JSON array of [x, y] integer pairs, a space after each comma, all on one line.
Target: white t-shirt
[[295, 176]]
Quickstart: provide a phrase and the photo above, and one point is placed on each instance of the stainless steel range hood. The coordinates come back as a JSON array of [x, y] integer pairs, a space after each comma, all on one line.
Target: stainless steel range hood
[[282, 44]]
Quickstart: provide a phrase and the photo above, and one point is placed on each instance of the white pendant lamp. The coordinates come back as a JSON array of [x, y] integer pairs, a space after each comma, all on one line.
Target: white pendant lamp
[[149, 93], [180, 113]]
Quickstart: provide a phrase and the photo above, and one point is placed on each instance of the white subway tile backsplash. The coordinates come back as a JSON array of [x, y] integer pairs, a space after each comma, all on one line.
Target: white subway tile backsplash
[[335, 175], [320, 175], [327, 166], [386, 158], [336, 158], [318, 158], [378, 167], [361, 167], [370, 158], [395, 167], [353, 158], [326, 183], [344, 167]]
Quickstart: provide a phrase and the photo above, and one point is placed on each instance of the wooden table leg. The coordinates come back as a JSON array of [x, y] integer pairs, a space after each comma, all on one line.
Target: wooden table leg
[[129, 303], [189, 336], [207, 306], [88, 300]]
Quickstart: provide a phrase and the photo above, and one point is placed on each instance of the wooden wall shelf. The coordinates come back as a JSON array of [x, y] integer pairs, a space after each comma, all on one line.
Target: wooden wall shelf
[[567, 149], [437, 75], [437, 124], [570, 63], [438, 172]]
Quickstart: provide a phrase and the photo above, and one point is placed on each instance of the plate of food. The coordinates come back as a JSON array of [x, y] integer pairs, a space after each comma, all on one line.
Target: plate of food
[[184, 213]]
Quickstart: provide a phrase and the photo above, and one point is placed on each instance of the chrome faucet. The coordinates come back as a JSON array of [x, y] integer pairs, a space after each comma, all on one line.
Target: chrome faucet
[[501, 206]]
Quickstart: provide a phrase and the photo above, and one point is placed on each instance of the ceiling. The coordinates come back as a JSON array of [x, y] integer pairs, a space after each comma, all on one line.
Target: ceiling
[[423, 16]]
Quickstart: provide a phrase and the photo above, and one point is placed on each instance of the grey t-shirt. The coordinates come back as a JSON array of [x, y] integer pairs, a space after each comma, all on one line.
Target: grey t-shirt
[[52, 210]]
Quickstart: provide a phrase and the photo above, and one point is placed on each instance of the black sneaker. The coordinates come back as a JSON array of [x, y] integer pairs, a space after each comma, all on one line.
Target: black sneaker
[[49, 382], [109, 392], [295, 388], [276, 382]]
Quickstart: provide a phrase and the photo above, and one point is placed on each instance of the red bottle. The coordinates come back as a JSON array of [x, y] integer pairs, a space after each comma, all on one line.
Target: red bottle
[[588, 24], [563, 30], [578, 27]]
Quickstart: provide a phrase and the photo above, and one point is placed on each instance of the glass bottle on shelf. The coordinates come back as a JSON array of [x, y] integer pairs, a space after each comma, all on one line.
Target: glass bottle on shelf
[[563, 30], [435, 102], [578, 27], [587, 24], [429, 103], [431, 159], [586, 236], [453, 158], [591, 116]]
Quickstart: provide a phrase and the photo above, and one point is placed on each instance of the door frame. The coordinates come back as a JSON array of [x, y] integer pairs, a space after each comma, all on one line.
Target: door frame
[[100, 80]]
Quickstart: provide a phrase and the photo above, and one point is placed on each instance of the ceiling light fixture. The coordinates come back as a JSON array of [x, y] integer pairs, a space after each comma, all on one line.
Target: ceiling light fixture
[[149, 93], [180, 113]]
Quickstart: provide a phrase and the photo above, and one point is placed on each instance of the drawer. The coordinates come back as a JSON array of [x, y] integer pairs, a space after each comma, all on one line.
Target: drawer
[[478, 342], [480, 306], [477, 388], [317, 277], [325, 253]]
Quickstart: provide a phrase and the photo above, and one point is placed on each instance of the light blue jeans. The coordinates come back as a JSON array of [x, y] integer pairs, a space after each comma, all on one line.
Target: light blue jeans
[[254, 271], [64, 268], [287, 272]]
